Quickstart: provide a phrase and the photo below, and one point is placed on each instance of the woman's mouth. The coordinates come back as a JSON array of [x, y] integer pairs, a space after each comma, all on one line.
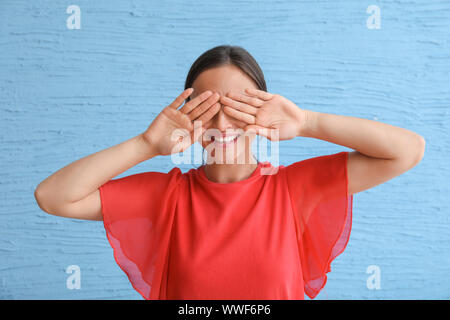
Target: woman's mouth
[[224, 142]]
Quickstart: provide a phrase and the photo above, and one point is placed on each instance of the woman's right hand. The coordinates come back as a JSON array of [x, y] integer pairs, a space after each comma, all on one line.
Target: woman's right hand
[[172, 131]]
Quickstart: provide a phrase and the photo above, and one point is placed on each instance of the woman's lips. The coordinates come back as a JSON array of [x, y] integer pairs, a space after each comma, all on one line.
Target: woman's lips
[[225, 141]]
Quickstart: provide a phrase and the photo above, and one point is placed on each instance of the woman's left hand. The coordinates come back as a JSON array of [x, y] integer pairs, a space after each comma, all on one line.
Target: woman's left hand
[[270, 115]]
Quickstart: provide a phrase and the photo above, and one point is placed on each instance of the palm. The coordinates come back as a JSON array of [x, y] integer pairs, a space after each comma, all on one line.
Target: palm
[[280, 114], [170, 128], [174, 130]]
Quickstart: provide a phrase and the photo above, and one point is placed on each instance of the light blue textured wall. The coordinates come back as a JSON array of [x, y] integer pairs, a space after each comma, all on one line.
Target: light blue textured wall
[[65, 94]]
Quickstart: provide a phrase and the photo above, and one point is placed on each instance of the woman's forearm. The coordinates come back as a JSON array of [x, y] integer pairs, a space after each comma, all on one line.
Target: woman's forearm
[[372, 138], [80, 178]]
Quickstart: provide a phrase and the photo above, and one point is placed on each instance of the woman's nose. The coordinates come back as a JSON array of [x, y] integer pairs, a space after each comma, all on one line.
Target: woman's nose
[[221, 120]]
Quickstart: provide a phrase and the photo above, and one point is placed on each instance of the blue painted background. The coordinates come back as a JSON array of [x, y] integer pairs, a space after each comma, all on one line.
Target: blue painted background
[[65, 94]]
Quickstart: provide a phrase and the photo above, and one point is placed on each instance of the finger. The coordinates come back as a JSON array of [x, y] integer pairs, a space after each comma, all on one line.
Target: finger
[[209, 114], [243, 107], [263, 95], [242, 116], [270, 134], [188, 106], [253, 101], [180, 99], [205, 105]]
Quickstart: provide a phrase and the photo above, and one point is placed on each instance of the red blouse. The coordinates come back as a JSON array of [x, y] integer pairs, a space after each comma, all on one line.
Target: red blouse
[[271, 236]]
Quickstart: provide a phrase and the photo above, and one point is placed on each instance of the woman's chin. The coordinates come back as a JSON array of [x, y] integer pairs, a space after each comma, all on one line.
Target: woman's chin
[[226, 157]]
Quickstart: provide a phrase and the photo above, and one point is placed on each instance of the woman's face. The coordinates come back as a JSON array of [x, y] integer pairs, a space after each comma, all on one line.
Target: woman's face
[[225, 79]]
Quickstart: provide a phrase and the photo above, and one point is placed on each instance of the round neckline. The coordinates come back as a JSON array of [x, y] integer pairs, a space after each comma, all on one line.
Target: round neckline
[[255, 174]]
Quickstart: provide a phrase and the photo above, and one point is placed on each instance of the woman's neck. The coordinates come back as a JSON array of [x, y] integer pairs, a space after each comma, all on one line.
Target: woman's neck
[[228, 173]]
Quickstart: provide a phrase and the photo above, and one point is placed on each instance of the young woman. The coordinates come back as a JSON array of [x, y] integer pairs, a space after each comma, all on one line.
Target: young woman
[[226, 230]]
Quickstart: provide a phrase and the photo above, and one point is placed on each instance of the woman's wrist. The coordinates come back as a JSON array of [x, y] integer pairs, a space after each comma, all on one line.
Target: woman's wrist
[[146, 147], [307, 120]]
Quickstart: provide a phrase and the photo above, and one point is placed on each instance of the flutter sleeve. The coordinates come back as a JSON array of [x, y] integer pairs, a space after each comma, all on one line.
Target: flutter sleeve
[[137, 215], [318, 189]]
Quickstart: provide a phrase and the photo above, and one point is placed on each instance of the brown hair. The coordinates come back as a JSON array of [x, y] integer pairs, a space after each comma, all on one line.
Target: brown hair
[[226, 55]]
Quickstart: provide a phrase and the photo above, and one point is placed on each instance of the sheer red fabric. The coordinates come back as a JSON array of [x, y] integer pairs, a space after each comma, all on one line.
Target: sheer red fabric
[[271, 236], [323, 212]]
